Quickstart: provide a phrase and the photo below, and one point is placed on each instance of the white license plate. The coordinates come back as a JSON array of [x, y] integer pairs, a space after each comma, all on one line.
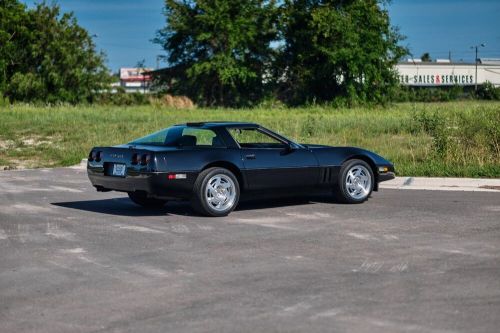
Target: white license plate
[[119, 170]]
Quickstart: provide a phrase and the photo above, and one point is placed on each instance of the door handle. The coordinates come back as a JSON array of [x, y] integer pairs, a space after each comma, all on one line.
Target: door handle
[[250, 157]]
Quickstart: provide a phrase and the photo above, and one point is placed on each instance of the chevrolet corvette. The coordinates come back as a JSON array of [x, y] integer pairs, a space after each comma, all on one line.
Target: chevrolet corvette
[[213, 163]]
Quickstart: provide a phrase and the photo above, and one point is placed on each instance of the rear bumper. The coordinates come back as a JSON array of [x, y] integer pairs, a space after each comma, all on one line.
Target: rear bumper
[[156, 184]]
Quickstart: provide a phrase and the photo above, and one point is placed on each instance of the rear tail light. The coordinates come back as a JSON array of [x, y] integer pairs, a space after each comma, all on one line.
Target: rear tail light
[[135, 158], [95, 156], [145, 159]]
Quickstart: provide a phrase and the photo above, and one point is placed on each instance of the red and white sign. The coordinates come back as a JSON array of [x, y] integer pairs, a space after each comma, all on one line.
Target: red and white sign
[[446, 74], [134, 74]]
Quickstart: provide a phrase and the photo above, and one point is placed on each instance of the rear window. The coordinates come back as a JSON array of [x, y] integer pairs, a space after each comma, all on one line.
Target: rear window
[[182, 136]]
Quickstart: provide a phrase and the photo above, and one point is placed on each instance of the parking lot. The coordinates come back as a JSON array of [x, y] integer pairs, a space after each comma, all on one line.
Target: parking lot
[[74, 260]]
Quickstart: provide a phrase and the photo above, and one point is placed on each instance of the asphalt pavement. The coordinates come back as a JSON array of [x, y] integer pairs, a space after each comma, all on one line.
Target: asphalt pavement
[[75, 260]]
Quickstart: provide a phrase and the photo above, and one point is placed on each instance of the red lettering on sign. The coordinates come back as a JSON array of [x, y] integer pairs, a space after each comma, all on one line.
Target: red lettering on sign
[[438, 79]]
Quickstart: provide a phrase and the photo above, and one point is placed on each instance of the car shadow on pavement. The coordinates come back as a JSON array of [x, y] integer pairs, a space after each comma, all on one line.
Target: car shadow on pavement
[[254, 204], [115, 206], [124, 207]]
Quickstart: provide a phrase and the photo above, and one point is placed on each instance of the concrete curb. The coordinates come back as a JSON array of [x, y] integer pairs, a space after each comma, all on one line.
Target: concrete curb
[[443, 184], [82, 165]]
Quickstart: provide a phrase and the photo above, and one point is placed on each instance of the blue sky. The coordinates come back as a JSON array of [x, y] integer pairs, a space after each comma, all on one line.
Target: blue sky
[[124, 28], [440, 26]]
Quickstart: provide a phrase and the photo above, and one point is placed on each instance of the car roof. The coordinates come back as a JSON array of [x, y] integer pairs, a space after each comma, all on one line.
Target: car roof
[[215, 124]]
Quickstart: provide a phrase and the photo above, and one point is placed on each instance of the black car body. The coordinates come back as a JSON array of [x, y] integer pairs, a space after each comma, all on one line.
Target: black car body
[[168, 164]]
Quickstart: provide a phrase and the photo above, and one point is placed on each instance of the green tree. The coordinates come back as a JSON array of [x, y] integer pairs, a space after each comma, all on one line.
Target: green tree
[[426, 57], [47, 56], [219, 50], [338, 48], [13, 17]]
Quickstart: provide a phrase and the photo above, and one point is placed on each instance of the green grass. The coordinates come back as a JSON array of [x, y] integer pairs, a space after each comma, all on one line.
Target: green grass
[[60, 136]]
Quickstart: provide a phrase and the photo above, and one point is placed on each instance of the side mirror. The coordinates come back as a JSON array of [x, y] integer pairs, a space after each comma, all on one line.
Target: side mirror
[[289, 148]]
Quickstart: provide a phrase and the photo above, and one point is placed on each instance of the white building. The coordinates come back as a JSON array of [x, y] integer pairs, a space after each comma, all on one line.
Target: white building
[[445, 73], [134, 79]]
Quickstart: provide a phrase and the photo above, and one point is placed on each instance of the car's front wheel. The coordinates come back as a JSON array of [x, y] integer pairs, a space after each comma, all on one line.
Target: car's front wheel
[[355, 182], [142, 199], [216, 192]]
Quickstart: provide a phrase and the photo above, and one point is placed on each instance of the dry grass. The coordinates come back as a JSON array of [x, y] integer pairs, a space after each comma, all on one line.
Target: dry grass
[[175, 102]]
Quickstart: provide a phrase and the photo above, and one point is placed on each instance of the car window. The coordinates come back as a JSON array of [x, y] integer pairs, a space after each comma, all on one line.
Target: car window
[[182, 136], [254, 138], [203, 137]]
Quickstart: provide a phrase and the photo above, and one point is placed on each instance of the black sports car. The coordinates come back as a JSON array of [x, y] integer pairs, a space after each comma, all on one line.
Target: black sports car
[[212, 163]]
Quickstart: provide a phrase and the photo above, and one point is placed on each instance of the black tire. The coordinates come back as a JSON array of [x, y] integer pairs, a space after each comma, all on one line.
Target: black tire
[[141, 199], [199, 201], [341, 193]]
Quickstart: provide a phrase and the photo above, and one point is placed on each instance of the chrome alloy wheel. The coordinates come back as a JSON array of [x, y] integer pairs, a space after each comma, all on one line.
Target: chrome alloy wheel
[[220, 192], [358, 182]]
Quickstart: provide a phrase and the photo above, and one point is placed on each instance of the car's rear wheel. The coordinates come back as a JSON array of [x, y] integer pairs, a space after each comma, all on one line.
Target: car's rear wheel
[[142, 199], [355, 182], [216, 192]]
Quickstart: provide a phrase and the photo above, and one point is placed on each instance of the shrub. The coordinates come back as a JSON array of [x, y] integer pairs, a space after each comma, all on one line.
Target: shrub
[[436, 126], [430, 94], [488, 91], [466, 137], [3, 100], [26, 87], [122, 98]]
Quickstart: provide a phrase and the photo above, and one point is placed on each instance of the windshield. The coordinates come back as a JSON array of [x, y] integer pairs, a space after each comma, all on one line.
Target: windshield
[[181, 136]]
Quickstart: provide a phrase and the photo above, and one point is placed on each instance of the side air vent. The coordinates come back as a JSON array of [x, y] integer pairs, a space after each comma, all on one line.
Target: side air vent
[[327, 175]]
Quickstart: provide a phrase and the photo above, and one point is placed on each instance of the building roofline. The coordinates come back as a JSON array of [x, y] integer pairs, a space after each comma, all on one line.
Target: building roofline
[[409, 63]]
